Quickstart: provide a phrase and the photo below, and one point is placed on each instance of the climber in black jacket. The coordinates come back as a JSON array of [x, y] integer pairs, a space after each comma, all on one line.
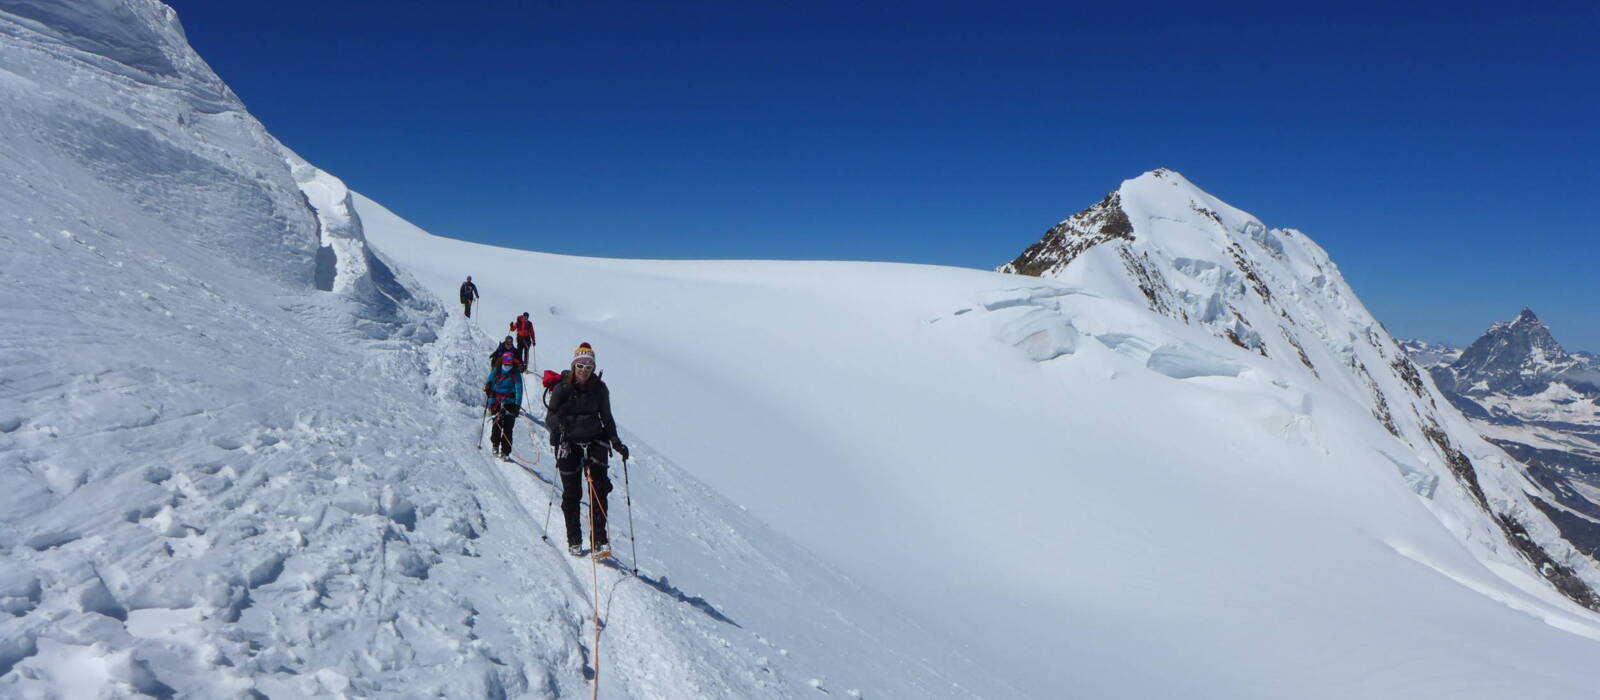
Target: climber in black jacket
[[583, 434]]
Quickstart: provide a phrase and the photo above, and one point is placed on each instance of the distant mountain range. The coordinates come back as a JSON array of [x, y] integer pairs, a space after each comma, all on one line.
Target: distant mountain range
[[1518, 358], [1516, 374], [1538, 402]]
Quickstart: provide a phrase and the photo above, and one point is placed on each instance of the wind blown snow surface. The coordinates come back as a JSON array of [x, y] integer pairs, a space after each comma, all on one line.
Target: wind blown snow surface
[[238, 450]]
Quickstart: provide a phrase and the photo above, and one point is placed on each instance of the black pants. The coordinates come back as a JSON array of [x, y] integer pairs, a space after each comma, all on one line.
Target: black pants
[[466, 306], [522, 351], [570, 462], [500, 436]]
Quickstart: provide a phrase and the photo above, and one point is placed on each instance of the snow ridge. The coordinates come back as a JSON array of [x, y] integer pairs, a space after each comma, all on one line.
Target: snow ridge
[[1193, 258]]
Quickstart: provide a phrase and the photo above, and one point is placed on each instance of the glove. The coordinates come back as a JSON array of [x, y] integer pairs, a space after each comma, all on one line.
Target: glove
[[555, 439], [620, 448]]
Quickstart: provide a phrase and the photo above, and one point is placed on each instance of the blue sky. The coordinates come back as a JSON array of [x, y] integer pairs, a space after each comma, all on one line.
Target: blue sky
[[1446, 155]]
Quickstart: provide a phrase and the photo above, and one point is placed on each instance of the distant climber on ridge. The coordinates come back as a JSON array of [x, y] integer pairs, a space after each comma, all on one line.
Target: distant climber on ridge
[[523, 327], [469, 294], [583, 434]]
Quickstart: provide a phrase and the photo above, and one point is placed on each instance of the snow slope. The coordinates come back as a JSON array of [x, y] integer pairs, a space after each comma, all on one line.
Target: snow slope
[[1118, 502], [237, 451]]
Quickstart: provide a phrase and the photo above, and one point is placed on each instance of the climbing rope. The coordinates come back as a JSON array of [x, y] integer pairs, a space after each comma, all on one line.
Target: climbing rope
[[594, 563]]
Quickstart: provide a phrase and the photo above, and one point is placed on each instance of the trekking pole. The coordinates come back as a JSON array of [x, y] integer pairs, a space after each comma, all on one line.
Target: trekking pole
[[484, 424], [550, 505], [627, 496]]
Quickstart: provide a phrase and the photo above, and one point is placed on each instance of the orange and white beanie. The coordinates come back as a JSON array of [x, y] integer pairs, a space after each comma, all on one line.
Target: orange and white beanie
[[584, 352]]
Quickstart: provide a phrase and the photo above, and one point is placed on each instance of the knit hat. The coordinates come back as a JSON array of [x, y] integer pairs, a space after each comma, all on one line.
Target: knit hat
[[584, 352], [507, 359]]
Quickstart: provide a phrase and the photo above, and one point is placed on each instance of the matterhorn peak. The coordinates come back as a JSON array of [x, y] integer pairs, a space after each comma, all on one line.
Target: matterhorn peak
[[1519, 357], [1525, 319]]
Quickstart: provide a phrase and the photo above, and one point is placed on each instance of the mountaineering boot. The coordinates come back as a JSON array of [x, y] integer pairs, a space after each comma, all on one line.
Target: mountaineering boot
[[602, 551], [575, 550]]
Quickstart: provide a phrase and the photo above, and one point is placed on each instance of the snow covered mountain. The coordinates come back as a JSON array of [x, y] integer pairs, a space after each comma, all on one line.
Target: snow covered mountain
[[1427, 354], [1518, 358], [1199, 261], [1516, 374], [1527, 394], [238, 448]]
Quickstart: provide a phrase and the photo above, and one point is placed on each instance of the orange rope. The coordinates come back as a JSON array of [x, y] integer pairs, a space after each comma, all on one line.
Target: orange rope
[[594, 569]]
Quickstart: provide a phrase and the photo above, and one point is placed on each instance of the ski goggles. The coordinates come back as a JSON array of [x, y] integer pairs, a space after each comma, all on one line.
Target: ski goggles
[[583, 365]]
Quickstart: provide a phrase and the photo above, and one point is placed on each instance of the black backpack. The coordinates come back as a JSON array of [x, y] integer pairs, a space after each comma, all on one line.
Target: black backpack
[[576, 427]]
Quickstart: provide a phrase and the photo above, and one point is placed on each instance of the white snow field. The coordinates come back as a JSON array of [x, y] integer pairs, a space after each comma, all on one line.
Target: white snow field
[[238, 458]]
